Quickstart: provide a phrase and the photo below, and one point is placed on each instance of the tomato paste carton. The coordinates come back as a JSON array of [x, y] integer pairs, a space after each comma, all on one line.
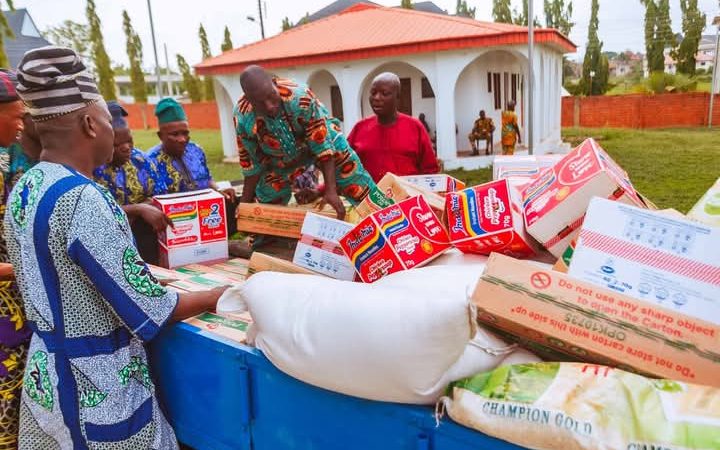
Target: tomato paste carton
[[393, 189], [200, 232], [274, 220], [651, 256], [595, 324], [439, 183], [554, 203], [231, 327], [319, 248], [487, 218], [523, 167], [399, 237]]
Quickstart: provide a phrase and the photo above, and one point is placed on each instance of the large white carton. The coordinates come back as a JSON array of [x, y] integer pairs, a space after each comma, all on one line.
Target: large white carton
[[555, 202], [319, 249], [707, 209], [439, 183], [651, 256], [522, 166], [200, 232]]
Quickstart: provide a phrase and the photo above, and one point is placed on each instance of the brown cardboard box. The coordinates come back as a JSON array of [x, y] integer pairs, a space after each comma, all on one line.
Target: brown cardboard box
[[596, 324], [396, 190], [260, 262], [234, 328], [274, 220]]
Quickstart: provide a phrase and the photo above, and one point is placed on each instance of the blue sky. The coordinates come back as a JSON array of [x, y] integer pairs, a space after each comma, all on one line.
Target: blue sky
[[177, 21]]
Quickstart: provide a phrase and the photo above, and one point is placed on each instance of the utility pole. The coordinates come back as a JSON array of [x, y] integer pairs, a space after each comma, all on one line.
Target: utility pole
[[167, 73], [157, 62], [531, 80], [713, 84], [262, 25]]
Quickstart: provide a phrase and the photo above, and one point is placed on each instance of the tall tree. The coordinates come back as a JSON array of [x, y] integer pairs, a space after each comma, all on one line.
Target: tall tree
[[658, 33], [191, 83], [521, 17], [103, 69], [463, 10], [595, 65], [133, 46], [693, 24], [227, 41], [208, 87], [407, 4], [304, 20], [558, 15], [501, 11], [286, 24], [73, 35], [5, 32]]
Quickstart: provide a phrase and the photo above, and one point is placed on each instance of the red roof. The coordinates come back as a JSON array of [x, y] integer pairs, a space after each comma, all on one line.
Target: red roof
[[368, 31]]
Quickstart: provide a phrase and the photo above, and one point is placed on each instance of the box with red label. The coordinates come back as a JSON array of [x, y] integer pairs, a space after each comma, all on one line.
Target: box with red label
[[555, 202], [439, 183], [487, 218], [200, 232], [393, 189], [399, 237]]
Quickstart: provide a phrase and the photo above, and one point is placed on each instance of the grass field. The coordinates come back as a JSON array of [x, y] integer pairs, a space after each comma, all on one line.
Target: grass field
[[673, 168]]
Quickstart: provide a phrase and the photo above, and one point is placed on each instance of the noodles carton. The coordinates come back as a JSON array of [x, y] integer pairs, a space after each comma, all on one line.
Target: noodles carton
[[392, 190], [200, 232], [399, 237], [486, 218], [554, 202], [439, 183], [521, 168]]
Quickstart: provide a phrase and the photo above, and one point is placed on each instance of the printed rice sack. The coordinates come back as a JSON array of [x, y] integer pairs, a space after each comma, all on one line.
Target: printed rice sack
[[582, 406]]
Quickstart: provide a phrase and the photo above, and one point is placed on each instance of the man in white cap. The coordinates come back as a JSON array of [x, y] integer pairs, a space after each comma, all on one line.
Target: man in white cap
[[91, 301]]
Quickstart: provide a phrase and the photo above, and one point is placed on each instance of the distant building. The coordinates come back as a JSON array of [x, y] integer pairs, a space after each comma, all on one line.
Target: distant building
[[625, 63], [170, 83], [27, 35], [341, 5]]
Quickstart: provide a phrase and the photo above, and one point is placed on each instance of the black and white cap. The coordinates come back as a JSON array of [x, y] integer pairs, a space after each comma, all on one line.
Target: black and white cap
[[53, 81]]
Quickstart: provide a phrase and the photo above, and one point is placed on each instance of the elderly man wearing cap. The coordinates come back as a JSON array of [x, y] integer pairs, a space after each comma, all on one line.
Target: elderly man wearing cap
[[14, 333], [91, 301], [132, 179]]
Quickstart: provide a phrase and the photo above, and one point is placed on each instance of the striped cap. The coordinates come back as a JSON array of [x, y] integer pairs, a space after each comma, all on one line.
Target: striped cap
[[53, 81], [7, 87]]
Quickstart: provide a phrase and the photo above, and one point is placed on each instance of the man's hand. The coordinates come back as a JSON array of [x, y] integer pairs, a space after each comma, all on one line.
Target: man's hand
[[332, 199], [229, 194], [307, 195], [6, 272], [154, 217]]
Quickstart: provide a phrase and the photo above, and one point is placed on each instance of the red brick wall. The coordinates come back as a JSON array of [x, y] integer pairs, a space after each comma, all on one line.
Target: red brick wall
[[203, 115], [640, 111]]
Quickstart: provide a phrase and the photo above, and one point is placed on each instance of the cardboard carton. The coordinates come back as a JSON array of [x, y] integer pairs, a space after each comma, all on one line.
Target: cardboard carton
[[522, 167], [260, 262], [274, 220], [234, 328], [487, 218], [439, 184], [554, 203], [707, 209], [319, 249], [596, 324], [165, 276], [399, 237], [392, 190], [211, 273], [651, 256], [200, 232], [237, 266]]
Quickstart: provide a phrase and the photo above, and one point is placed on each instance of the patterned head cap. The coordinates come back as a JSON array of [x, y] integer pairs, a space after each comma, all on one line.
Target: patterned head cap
[[53, 81], [8, 81]]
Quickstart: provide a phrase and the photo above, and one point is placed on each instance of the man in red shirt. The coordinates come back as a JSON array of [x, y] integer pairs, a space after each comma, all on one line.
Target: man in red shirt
[[391, 141]]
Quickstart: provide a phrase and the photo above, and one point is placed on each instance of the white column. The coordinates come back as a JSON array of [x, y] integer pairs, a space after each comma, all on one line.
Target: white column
[[350, 84], [225, 103], [447, 73]]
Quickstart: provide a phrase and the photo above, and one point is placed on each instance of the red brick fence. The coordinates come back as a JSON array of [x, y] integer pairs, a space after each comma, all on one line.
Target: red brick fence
[[640, 111], [621, 111]]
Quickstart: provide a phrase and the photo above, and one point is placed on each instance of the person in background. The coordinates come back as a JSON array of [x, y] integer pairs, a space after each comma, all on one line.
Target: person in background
[[282, 129], [424, 123], [131, 178], [14, 332], [391, 141], [91, 301], [483, 130], [510, 130], [182, 164]]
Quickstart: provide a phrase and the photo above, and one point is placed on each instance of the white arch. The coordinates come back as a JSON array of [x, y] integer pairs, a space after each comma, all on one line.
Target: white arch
[[320, 82]]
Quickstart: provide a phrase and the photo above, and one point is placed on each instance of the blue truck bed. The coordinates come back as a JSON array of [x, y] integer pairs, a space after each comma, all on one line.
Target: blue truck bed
[[220, 395]]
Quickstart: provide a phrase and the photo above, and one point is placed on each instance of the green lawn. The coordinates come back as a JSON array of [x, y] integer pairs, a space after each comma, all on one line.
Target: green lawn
[[673, 167]]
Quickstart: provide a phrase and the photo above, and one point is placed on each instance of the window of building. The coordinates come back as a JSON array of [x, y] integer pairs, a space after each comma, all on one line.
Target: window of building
[[497, 93], [336, 104], [426, 89]]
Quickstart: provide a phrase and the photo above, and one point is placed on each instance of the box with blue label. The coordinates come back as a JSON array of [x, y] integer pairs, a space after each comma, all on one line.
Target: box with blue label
[[319, 248], [651, 256]]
